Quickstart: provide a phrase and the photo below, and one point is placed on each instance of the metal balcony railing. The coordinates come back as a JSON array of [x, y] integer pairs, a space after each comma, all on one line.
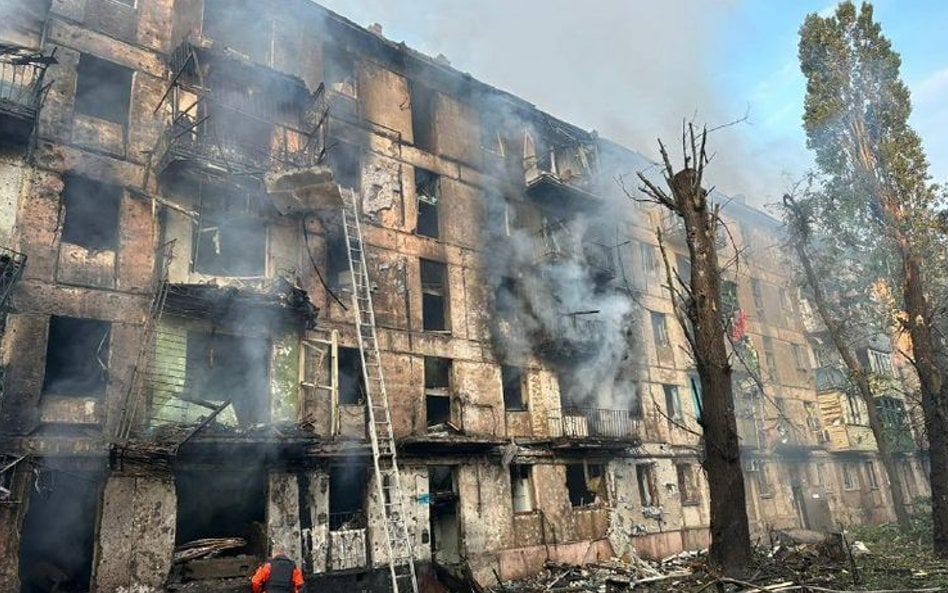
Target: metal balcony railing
[[22, 87], [594, 423]]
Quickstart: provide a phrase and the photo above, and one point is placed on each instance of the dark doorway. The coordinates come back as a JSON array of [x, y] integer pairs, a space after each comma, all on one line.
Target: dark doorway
[[347, 484], [58, 538], [223, 503], [445, 528]]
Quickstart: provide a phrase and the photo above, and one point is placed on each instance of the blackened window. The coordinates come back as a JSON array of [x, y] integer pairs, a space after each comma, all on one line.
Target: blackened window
[[512, 378], [103, 89], [345, 159], [77, 357], [347, 485], [434, 295], [422, 115], [351, 380], [437, 390], [231, 247], [239, 25], [223, 367], [584, 483], [91, 213], [427, 190]]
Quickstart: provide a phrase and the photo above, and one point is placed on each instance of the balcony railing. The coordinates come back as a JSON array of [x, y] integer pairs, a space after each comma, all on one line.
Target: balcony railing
[[22, 87], [596, 423], [562, 172]]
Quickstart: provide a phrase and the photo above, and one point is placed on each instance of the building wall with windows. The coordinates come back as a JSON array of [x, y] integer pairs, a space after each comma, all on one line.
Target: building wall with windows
[[180, 359]]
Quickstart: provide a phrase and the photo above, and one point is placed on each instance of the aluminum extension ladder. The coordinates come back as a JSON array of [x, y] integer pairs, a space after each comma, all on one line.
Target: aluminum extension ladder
[[397, 539]]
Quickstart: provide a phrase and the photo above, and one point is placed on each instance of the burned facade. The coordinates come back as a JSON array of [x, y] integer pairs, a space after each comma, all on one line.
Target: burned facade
[[189, 356]]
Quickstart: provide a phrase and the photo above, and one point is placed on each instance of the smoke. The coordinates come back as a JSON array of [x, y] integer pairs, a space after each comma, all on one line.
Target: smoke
[[631, 70]]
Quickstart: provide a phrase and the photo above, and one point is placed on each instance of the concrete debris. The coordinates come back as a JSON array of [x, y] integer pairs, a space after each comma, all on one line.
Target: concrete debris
[[208, 547]]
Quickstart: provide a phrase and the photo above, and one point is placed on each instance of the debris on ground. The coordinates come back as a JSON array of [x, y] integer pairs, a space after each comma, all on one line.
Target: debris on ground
[[206, 548]]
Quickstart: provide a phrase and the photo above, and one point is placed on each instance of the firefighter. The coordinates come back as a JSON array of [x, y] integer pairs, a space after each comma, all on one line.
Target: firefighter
[[279, 574]]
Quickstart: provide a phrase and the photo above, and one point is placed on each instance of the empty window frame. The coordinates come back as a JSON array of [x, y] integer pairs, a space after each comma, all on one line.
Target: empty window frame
[[77, 357], [351, 380], [850, 474], [659, 329], [428, 193], [221, 503], [347, 488], [437, 390], [230, 23], [103, 89], [512, 379], [672, 402], [233, 247], [871, 477], [694, 382], [585, 484], [223, 367], [649, 261], [521, 488], [422, 115], [648, 490], [434, 296], [91, 213], [339, 71], [688, 484], [345, 159]]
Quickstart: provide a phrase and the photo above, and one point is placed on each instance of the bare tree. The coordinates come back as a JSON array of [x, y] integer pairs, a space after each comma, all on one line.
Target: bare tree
[[730, 550]]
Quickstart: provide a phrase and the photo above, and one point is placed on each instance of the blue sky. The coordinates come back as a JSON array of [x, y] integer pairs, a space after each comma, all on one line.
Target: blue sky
[[633, 69]]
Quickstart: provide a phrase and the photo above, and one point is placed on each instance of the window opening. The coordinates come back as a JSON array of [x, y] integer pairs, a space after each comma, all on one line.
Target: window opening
[[91, 213], [434, 293], [103, 89], [77, 357]]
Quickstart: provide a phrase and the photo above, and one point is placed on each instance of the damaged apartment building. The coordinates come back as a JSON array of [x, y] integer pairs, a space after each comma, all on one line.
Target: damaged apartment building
[[250, 253]]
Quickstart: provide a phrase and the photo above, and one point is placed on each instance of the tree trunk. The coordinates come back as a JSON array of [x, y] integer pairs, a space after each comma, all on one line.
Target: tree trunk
[[730, 549], [933, 387], [858, 374]]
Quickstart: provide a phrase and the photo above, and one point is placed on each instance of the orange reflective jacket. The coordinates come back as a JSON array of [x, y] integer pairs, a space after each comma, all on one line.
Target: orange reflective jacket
[[261, 578]]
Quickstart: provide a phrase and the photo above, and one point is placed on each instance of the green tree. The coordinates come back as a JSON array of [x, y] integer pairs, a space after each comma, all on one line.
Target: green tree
[[875, 178]]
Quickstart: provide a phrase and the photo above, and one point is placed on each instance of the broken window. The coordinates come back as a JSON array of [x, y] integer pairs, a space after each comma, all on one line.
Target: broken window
[[659, 329], [223, 367], [103, 89], [427, 190], [91, 213], [77, 357], [850, 476], [585, 484], [445, 527], [512, 378], [799, 358], [339, 72], [345, 159], [648, 490], [441, 480], [337, 262], [437, 390], [351, 379], [58, 535], [434, 295], [422, 115], [347, 487], [222, 503], [758, 293], [672, 402], [235, 247], [240, 26], [521, 487], [871, 475], [635, 404], [688, 484], [649, 261]]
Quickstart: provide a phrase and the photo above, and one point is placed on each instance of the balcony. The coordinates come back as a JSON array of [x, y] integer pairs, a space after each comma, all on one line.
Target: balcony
[[22, 90], [594, 424], [831, 379], [230, 117], [562, 175], [559, 242]]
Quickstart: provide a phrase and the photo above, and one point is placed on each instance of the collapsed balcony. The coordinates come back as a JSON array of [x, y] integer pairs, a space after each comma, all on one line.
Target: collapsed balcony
[[231, 117], [562, 170], [22, 90], [577, 336], [594, 423], [559, 242]]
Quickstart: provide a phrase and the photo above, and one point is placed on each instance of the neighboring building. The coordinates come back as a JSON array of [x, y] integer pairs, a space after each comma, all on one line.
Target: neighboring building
[[180, 359]]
